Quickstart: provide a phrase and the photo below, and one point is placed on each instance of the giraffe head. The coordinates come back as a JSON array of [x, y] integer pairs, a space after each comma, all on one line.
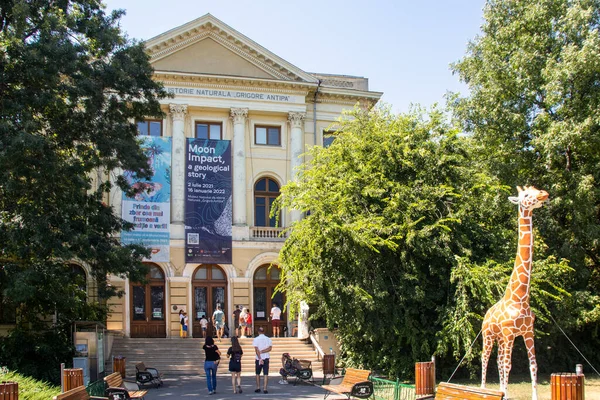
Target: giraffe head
[[530, 197]]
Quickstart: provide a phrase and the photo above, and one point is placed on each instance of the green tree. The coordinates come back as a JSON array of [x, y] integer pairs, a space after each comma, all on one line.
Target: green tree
[[394, 207], [71, 88], [533, 108]]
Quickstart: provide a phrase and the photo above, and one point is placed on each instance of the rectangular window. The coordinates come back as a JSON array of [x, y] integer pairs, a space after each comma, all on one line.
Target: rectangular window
[[209, 130], [328, 138], [150, 128], [267, 135]]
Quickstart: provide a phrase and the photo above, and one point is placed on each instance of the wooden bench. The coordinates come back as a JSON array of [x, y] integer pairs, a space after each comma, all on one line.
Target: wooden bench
[[354, 384], [147, 375], [117, 385], [451, 391], [79, 393]]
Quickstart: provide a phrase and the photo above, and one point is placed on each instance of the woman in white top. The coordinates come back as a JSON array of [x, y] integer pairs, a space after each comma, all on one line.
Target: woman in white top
[[243, 321]]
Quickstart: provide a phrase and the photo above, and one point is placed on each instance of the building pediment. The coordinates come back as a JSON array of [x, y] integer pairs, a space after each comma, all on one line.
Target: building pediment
[[209, 46]]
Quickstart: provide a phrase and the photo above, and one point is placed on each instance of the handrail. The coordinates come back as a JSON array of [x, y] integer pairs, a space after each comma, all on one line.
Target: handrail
[[318, 349]]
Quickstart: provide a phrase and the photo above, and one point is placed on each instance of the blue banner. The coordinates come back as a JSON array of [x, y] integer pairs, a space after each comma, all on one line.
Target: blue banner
[[150, 209], [208, 202]]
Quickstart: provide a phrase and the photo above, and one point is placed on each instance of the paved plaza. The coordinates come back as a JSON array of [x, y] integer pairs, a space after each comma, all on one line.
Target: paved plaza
[[184, 387]]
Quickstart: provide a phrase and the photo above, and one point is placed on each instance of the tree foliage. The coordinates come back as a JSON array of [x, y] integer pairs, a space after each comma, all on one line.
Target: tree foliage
[[395, 208], [71, 88], [533, 108]]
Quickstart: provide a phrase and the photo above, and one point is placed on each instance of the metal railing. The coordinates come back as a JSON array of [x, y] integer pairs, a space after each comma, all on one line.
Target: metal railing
[[390, 390], [318, 350]]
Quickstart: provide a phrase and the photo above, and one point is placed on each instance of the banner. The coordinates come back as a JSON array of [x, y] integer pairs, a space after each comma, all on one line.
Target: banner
[[208, 202], [150, 209]]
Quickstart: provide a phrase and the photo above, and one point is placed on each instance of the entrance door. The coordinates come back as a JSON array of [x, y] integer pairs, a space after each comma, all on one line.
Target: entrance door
[[210, 290], [148, 306], [266, 279]]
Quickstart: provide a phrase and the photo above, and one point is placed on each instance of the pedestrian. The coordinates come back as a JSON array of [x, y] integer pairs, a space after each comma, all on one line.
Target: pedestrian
[[249, 330], [262, 346], [235, 364], [203, 325], [185, 325], [236, 321], [218, 320], [181, 323], [275, 319], [212, 355], [243, 323]]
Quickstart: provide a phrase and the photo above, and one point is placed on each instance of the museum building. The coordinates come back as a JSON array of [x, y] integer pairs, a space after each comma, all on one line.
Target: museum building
[[225, 87]]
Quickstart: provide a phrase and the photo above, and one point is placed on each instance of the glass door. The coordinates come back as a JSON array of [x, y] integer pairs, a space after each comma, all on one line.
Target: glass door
[[148, 306]]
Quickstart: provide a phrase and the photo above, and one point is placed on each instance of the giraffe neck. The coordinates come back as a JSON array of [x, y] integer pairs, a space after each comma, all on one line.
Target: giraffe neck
[[518, 286]]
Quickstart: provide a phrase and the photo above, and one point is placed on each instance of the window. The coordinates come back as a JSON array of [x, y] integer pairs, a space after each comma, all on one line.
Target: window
[[267, 135], [209, 130], [150, 127], [266, 191], [328, 138]]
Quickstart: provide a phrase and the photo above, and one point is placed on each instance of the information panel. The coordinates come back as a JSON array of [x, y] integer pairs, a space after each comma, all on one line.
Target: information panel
[[208, 203], [150, 209]]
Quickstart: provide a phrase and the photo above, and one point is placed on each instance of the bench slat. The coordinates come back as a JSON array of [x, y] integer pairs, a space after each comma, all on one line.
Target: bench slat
[[451, 391], [79, 393], [352, 377]]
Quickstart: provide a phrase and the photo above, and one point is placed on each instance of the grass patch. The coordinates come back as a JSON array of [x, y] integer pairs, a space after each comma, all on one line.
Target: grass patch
[[519, 387], [29, 388]]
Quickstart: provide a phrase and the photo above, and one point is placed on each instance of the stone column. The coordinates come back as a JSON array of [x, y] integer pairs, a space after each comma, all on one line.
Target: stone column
[[178, 112], [296, 120], [239, 115]]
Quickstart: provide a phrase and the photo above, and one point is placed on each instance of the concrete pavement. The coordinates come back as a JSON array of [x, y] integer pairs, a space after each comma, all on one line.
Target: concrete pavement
[[184, 387]]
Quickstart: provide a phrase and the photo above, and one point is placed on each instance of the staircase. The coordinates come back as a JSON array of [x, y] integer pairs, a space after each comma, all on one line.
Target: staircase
[[176, 356]]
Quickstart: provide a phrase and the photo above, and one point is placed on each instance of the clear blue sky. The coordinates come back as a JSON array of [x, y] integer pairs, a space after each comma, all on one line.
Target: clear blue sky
[[404, 47]]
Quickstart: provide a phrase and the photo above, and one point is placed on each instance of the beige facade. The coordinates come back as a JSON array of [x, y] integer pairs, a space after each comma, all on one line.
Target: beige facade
[[217, 75]]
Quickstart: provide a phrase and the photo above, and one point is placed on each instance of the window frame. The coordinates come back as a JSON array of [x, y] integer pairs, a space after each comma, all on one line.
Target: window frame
[[209, 123], [147, 122], [267, 127], [267, 195], [328, 134]]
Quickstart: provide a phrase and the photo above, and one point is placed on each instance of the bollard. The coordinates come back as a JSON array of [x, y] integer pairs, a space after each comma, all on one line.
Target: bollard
[[424, 378], [567, 386], [119, 365], [73, 378], [9, 390]]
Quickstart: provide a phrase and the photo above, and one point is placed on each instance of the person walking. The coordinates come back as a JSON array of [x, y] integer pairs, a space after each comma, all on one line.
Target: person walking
[[181, 323], [185, 325], [235, 364], [249, 331], [236, 321], [218, 320], [203, 325], [275, 319], [243, 315], [212, 355], [262, 346]]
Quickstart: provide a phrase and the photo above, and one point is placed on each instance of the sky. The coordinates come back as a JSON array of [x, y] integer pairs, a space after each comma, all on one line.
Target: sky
[[404, 47]]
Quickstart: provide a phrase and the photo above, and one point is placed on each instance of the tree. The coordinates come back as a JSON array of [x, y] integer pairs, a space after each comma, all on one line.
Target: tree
[[534, 80], [71, 88], [394, 206]]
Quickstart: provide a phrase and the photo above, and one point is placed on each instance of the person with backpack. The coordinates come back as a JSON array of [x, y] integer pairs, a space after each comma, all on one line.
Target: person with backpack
[[184, 328], [235, 353], [181, 323]]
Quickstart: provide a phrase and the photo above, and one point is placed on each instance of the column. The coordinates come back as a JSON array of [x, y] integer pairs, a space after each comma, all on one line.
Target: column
[[296, 120], [238, 116], [178, 112]]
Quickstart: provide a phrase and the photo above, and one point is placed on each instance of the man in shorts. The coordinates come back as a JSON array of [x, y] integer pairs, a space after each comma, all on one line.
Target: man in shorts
[[262, 347], [275, 319], [218, 320]]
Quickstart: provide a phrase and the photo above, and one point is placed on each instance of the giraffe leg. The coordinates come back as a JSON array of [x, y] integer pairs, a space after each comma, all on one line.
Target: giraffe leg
[[500, 363], [507, 363], [488, 344], [529, 343]]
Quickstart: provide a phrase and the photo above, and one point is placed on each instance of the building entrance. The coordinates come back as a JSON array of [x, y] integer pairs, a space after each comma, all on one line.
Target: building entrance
[[266, 279], [210, 290], [148, 305]]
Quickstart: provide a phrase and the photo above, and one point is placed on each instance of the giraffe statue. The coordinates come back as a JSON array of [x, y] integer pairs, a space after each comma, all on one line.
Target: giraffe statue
[[511, 316]]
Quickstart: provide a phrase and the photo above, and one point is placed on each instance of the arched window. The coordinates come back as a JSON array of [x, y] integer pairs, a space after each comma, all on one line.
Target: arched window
[[266, 191], [78, 277]]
